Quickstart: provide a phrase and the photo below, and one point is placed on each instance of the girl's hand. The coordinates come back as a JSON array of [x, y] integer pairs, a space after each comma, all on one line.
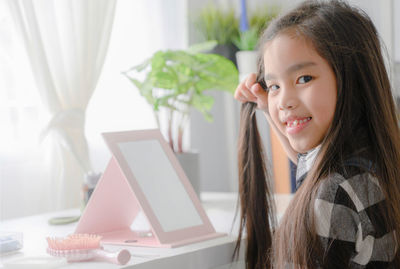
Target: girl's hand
[[251, 91]]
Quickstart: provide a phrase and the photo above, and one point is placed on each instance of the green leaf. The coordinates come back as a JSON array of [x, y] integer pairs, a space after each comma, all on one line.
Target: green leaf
[[217, 73], [163, 79], [203, 47], [156, 105], [157, 61], [247, 40], [203, 103]]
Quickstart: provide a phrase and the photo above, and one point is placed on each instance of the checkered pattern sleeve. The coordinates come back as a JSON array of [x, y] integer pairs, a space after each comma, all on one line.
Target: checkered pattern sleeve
[[349, 223]]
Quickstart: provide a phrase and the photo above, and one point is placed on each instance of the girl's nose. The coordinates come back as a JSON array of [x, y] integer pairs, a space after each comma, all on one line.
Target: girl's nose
[[288, 100], [287, 106]]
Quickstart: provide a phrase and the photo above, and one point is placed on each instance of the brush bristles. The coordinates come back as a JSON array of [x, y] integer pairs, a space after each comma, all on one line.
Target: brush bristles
[[75, 241]]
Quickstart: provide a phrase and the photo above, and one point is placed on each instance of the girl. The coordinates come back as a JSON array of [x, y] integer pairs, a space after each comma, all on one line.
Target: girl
[[324, 90]]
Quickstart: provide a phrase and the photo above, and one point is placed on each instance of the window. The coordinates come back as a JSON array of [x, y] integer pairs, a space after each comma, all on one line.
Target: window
[[139, 29]]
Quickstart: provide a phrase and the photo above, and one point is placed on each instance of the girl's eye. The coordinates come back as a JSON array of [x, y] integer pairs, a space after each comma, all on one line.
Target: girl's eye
[[272, 88], [304, 79]]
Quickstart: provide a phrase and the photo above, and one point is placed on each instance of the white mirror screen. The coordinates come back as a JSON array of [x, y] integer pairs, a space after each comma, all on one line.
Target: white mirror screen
[[160, 184]]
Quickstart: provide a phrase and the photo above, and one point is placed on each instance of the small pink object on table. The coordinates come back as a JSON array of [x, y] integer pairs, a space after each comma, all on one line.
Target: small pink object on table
[[85, 247]]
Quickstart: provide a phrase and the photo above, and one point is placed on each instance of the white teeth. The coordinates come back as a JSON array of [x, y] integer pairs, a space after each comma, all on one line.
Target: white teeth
[[298, 122]]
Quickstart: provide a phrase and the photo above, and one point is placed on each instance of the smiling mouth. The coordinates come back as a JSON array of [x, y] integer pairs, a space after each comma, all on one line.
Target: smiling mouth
[[298, 122]]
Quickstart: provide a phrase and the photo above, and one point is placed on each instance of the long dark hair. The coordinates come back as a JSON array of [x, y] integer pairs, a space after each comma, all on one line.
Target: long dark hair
[[257, 207], [348, 40]]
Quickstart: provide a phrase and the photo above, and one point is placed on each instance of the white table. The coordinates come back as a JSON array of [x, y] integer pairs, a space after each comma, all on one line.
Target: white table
[[215, 253]]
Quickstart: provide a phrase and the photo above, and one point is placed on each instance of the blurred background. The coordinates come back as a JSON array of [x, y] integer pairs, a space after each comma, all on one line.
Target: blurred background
[[65, 78]]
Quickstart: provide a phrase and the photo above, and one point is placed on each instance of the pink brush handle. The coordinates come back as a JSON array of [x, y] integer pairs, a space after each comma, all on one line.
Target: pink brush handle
[[121, 257]]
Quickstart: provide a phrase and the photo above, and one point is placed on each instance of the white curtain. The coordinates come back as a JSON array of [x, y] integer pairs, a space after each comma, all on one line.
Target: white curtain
[[66, 42]]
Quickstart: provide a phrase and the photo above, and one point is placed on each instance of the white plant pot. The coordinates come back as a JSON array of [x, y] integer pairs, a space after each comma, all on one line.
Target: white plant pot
[[190, 164], [247, 63]]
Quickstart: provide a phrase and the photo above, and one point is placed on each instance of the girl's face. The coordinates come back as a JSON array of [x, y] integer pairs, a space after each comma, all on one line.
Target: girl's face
[[302, 90]]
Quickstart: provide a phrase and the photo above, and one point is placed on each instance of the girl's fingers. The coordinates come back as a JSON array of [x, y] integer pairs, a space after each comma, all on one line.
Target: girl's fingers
[[251, 91], [250, 80], [249, 95], [257, 91], [261, 95], [242, 92], [241, 98], [238, 90], [238, 96]]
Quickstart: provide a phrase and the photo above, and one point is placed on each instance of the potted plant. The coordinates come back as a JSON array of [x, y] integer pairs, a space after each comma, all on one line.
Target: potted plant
[[246, 56], [178, 80], [222, 26], [247, 39]]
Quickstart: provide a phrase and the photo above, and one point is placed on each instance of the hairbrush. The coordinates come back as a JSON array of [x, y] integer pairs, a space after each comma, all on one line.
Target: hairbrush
[[84, 247]]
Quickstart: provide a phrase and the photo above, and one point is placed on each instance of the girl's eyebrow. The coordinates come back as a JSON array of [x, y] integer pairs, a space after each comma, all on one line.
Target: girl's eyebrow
[[291, 69]]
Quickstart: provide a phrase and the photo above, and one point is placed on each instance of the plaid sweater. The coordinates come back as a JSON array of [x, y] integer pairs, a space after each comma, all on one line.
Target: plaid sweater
[[349, 210]]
